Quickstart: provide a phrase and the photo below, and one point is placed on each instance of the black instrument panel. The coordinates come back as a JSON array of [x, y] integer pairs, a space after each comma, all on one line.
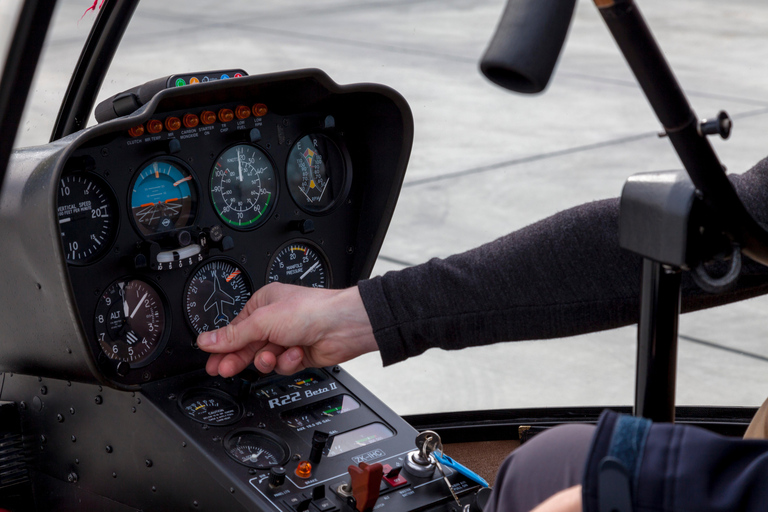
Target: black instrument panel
[[169, 226]]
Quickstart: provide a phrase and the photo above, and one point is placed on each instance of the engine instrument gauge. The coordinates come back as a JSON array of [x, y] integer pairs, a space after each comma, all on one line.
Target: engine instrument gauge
[[130, 321], [316, 173], [163, 197], [210, 406], [215, 294], [87, 220], [318, 413], [300, 263], [243, 186], [257, 449]]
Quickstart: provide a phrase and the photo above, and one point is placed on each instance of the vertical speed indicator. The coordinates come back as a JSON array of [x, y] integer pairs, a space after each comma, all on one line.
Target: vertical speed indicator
[[215, 294], [87, 220]]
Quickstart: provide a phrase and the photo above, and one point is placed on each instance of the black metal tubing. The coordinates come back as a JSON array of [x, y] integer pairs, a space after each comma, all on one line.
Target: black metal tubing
[[671, 107], [19, 70], [657, 342], [91, 68]]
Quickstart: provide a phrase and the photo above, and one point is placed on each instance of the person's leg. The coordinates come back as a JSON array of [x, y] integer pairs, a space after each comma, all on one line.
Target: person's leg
[[550, 462]]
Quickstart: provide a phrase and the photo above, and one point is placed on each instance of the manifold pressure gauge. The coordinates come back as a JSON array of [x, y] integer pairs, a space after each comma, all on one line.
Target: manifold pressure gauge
[[130, 321], [215, 294], [300, 263]]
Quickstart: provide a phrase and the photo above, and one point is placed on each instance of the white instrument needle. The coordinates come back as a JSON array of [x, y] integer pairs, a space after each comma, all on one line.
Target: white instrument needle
[[313, 267], [139, 304]]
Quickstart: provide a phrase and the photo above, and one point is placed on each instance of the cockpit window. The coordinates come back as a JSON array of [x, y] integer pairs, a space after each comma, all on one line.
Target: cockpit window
[[485, 162]]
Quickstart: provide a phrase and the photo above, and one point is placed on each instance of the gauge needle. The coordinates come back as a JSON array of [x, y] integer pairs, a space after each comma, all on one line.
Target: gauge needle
[[239, 164], [126, 309], [64, 221], [139, 304], [182, 180], [313, 267], [255, 456]]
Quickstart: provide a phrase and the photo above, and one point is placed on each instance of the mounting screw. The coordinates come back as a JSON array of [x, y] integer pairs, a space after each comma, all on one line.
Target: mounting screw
[[171, 397], [104, 152], [232, 490], [148, 463], [60, 418], [114, 475], [74, 439], [336, 369], [195, 503], [43, 439], [154, 489], [98, 400], [109, 448], [71, 410], [44, 390], [72, 477], [22, 405], [350, 249]]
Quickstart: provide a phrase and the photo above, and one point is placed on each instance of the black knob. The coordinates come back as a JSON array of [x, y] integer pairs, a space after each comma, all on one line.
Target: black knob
[[276, 476], [304, 226], [721, 125], [318, 445]]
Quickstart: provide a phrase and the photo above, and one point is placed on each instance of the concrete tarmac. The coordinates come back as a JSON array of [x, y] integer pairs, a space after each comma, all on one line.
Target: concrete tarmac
[[485, 161]]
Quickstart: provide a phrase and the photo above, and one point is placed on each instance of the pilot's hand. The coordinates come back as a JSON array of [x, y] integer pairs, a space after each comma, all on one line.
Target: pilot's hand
[[288, 328]]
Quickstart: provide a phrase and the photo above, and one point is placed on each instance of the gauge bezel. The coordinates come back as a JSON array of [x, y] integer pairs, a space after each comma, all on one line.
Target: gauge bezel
[[337, 141], [244, 272], [276, 180], [179, 163], [217, 393], [313, 246], [161, 342], [259, 432], [112, 237]]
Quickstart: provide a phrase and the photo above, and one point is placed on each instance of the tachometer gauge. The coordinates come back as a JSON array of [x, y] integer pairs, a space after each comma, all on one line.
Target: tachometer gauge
[[215, 294], [130, 321], [243, 186], [210, 406], [300, 263], [87, 219], [316, 173], [163, 197], [256, 448]]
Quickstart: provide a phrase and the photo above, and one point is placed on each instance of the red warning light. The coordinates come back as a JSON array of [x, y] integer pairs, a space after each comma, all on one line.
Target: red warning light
[[226, 115], [136, 131], [242, 112], [208, 117], [154, 126], [259, 109], [191, 120], [172, 124]]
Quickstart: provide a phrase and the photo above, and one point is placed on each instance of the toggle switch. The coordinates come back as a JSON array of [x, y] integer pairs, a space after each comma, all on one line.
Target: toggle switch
[[366, 480]]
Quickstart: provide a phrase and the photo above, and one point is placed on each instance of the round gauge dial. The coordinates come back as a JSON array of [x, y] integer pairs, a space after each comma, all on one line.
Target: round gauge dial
[[130, 321], [300, 263], [243, 186], [215, 294], [163, 197], [256, 449], [87, 219], [316, 173], [210, 406]]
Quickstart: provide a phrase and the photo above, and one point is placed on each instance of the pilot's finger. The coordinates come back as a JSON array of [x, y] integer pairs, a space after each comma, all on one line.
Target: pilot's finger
[[235, 336], [212, 365], [265, 359], [235, 362], [290, 361]]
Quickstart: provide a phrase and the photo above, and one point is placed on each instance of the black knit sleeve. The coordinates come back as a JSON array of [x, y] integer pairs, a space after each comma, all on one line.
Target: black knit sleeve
[[562, 276]]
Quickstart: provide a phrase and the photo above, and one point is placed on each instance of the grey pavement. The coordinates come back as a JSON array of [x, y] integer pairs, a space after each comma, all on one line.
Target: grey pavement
[[484, 161]]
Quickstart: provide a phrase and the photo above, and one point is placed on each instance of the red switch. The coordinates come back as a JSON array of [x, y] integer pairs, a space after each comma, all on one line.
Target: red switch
[[366, 480], [393, 477]]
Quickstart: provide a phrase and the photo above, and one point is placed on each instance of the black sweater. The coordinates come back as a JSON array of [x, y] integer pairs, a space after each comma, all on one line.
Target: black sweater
[[562, 276]]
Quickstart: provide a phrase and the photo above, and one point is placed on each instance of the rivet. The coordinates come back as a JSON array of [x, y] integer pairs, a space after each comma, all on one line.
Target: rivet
[[109, 449], [148, 463], [114, 475], [44, 390], [60, 418], [74, 439]]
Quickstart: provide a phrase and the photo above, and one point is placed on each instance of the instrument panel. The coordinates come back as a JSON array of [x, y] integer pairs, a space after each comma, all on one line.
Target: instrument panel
[[170, 225]]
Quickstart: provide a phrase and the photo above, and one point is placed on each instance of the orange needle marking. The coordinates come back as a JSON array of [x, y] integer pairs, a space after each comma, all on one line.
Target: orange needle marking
[[232, 275], [182, 181], [172, 199], [146, 204]]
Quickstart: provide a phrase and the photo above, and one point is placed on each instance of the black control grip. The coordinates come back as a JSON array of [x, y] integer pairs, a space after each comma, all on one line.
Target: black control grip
[[527, 42]]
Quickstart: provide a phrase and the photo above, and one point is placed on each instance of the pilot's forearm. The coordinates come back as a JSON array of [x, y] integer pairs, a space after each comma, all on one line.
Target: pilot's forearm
[[562, 276]]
